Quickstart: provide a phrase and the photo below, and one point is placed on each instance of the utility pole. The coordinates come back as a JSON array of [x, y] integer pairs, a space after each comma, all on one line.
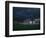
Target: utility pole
[[32, 18]]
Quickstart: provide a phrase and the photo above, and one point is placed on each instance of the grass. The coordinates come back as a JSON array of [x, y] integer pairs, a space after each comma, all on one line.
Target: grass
[[26, 27]]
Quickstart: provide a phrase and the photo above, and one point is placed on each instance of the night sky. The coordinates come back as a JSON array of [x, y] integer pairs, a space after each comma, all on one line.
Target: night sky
[[22, 13]]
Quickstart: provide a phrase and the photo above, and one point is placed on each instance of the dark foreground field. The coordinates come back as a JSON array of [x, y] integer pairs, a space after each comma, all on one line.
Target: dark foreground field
[[26, 27]]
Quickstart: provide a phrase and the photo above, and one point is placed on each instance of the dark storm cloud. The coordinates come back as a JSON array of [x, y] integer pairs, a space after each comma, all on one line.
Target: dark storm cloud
[[23, 13]]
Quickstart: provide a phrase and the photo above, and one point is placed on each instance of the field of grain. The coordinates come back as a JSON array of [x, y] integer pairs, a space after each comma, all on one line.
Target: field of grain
[[26, 27]]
